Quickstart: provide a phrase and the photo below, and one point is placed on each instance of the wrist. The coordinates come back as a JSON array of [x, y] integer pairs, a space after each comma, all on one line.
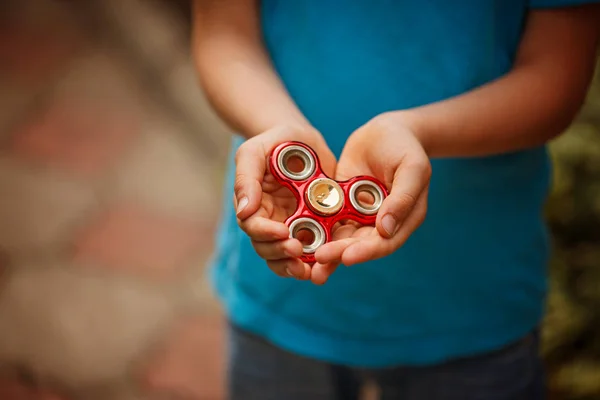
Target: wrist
[[304, 131], [265, 121], [297, 123], [409, 121]]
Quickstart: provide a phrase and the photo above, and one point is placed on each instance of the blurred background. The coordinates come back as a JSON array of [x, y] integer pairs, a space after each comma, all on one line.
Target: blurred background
[[110, 189], [111, 167]]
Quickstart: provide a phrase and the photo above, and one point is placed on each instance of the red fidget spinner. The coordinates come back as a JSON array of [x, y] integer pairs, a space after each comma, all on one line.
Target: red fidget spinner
[[322, 201]]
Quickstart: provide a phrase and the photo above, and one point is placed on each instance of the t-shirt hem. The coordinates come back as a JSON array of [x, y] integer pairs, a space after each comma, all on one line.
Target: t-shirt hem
[[411, 350]]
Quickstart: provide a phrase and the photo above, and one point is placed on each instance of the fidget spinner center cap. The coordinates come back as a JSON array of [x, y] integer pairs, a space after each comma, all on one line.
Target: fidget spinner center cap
[[325, 196]]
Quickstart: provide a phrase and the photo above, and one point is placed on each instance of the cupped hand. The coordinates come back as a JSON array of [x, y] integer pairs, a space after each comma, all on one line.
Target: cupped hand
[[388, 150], [262, 204]]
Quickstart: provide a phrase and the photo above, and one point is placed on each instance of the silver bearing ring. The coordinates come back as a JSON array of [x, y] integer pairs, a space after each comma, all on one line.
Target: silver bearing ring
[[371, 188], [304, 155], [314, 227]]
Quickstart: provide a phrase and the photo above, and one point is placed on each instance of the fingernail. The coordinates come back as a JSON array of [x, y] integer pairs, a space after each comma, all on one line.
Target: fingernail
[[242, 204], [389, 224], [287, 271]]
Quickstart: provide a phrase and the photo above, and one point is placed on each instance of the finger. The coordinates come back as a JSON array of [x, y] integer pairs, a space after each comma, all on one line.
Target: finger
[[279, 249], [345, 230], [251, 164], [374, 246], [411, 179], [262, 229], [343, 237], [366, 249], [290, 268], [332, 251], [320, 273]]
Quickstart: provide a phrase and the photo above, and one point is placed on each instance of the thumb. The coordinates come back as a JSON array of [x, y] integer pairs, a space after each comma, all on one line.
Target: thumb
[[250, 162], [251, 165], [351, 163], [410, 180]]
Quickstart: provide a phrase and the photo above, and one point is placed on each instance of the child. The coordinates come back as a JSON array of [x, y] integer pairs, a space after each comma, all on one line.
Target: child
[[443, 297]]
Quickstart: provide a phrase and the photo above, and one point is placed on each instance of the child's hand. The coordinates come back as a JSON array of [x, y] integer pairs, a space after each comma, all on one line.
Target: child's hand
[[262, 204], [389, 151]]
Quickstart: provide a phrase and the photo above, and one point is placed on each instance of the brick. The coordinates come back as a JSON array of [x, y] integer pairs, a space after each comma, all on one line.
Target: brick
[[132, 239], [190, 363], [198, 291], [158, 36], [63, 323], [193, 102], [151, 28], [80, 135], [37, 42], [163, 171], [3, 267], [104, 77], [11, 390], [15, 101], [34, 56], [93, 115], [38, 209]]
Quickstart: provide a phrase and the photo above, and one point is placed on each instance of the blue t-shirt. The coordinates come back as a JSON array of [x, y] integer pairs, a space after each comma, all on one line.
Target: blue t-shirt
[[472, 278]]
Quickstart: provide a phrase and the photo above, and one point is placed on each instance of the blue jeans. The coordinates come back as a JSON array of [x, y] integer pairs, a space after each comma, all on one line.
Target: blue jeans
[[260, 371]]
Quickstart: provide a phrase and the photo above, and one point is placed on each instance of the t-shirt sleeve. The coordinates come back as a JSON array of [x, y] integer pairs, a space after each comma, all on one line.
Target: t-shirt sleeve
[[559, 3]]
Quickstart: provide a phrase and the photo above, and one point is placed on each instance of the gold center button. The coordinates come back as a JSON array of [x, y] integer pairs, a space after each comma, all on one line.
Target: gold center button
[[325, 196]]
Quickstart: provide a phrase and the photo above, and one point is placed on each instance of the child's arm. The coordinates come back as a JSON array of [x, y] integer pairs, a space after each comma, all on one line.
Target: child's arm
[[235, 70], [531, 104], [527, 107], [244, 89]]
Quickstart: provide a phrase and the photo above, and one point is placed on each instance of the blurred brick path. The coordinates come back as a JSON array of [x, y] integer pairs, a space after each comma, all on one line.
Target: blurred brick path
[[110, 167]]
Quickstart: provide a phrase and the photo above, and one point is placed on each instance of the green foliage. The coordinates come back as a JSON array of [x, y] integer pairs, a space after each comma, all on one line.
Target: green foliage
[[572, 329]]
